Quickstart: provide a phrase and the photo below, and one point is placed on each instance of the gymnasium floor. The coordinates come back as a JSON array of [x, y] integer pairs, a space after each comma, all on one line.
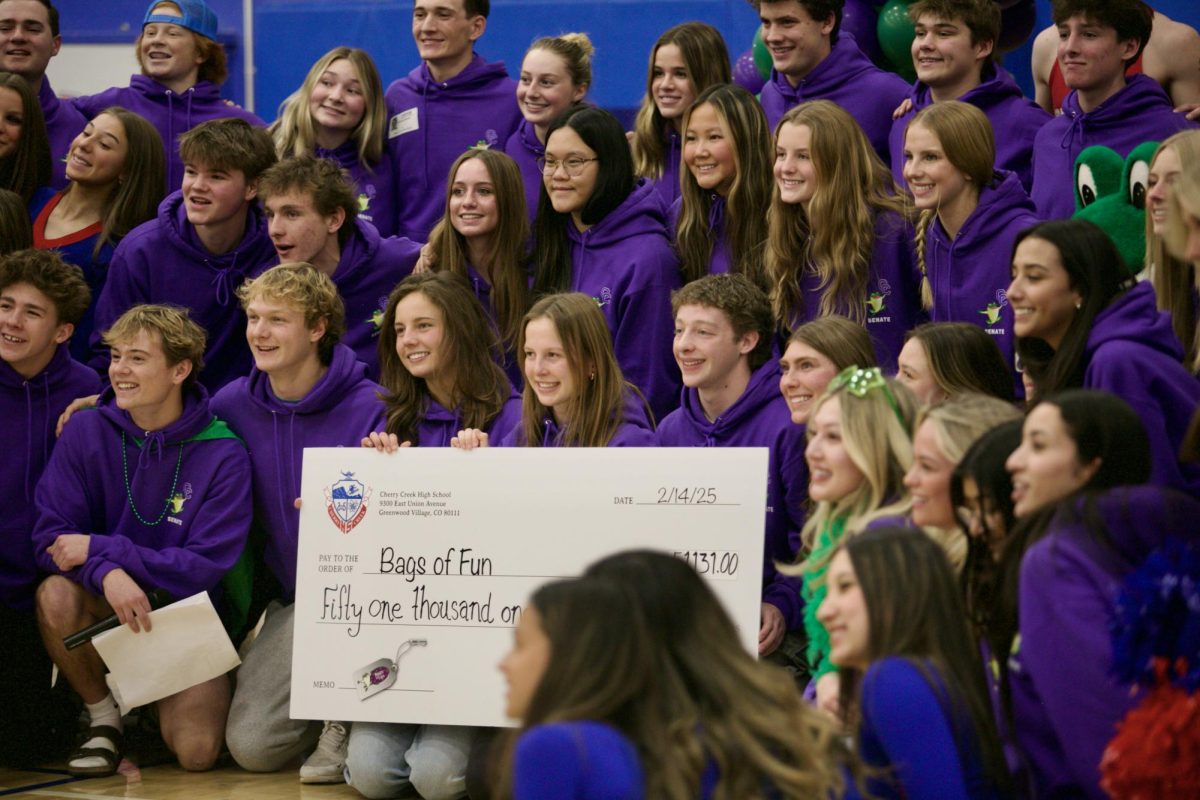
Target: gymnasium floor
[[167, 782]]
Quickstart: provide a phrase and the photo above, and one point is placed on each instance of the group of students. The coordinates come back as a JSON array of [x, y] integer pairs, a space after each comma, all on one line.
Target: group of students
[[466, 260]]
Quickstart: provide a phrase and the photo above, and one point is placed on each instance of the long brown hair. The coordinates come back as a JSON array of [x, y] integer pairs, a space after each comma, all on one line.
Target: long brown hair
[[746, 128], [28, 168], [506, 258], [469, 348], [1175, 281], [835, 235], [595, 410]]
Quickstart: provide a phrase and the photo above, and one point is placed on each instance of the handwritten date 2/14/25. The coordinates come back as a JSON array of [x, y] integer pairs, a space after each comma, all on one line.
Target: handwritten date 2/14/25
[[687, 495], [714, 563]]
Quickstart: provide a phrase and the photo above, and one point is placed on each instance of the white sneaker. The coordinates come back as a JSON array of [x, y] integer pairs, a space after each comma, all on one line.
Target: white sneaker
[[327, 764]]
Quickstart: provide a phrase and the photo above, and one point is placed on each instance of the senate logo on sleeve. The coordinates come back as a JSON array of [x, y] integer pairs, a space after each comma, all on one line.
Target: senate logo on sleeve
[[346, 502]]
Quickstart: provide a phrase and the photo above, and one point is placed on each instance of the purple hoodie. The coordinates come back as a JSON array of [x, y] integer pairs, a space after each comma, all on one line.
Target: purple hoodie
[[893, 301], [759, 418], [1015, 122], [375, 184], [63, 124], [635, 430], [667, 185], [1132, 353], [440, 425], [848, 78], [525, 149], [31, 408], [626, 263], [172, 114], [163, 261], [431, 124], [107, 478], [1140, 112], [970, 274], [483, 293], [368, 271], [1065, 700], [339, 411]]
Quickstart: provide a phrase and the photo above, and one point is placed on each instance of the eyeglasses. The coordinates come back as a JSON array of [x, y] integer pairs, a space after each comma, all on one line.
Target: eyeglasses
[[573, 165]]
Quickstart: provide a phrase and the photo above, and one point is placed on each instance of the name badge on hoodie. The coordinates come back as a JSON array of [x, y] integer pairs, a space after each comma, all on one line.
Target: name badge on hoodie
[[402, 123]]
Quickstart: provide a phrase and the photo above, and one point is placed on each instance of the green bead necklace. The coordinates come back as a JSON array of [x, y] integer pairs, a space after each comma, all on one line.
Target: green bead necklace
[[129, 489]]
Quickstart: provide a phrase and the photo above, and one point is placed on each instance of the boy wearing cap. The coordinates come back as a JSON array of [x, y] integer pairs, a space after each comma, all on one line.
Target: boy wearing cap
[[147, 492], [41, 300], [183, 67], [28, 40]]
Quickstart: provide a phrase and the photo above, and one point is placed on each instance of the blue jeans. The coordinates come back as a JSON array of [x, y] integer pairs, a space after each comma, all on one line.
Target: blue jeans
[[385, 759]]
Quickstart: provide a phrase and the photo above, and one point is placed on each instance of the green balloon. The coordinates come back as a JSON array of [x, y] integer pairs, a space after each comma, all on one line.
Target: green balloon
[[896, 33], [762, 56]]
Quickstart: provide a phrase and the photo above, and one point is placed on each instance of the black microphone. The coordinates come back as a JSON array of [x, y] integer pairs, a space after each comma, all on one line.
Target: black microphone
[[158, 598]]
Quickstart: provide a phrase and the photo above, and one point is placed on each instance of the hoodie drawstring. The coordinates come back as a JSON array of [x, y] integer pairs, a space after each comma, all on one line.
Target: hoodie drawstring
[[227, 280]]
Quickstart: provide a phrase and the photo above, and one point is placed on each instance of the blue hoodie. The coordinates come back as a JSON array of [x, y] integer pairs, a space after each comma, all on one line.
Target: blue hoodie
[[626, 263], [759, 418], [31, 408], [524, 148], [63, 123], [1140, 112], [1066, 701], [431, 124], [1015, 120], [848, 78], [171, 508], [341, 409], [1132, 352], [970, 274], [164, 261], [375, 184], [172, 114]]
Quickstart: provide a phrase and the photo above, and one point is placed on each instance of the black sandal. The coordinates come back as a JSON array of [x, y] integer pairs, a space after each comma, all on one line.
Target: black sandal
[[112, 757]]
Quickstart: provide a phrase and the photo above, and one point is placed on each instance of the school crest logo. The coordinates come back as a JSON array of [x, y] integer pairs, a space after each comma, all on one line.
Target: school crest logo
[[346, 502], [605, 297], [992, 311]]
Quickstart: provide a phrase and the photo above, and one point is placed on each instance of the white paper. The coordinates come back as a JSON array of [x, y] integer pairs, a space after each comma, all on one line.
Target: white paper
[[185, 646], [445, 546]]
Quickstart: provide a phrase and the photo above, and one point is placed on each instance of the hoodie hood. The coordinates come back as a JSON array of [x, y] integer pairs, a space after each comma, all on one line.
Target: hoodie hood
[[641, 213], [195, 418], [345, 372], [731, 427], [524, 148], [1134, 317]]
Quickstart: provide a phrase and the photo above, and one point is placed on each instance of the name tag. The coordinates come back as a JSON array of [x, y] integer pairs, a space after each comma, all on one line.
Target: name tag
[[403, 122]]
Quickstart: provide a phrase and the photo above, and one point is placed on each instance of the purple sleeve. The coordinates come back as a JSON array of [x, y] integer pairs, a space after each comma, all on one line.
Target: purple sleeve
[[91, 105], [1066, 652], [575, 760], [783, 592], [642, 343], [60, 500], [122, 291], [897, 701]]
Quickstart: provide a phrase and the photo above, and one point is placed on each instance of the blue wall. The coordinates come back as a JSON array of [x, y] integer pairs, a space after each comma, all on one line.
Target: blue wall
[[290, 34]]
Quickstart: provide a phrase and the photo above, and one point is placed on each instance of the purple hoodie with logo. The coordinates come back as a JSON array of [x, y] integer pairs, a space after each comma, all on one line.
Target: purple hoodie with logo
[[440, 425], [524, 148], [164, 261], [374, 183], [63, 123], [339, 411], [970, 274], [626, 263], [1015, 120], [848, 78], [431, 124], [759, 418], [892, 305], [1132, 353], [173, 114], [1065, 700], [368, 271], [31, 407], [171, 508], [1140, 112]]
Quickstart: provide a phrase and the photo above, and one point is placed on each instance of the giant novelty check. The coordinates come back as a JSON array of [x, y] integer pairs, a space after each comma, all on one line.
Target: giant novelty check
[[414, 566]]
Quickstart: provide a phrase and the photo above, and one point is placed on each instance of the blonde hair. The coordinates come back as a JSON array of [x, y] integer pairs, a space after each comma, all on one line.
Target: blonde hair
[[1175, 280], [576, 51], [294, 131], [600, 387], [306, 289], [745, 126], [703, 51], [181, 338], [967, 140], [835, 235]]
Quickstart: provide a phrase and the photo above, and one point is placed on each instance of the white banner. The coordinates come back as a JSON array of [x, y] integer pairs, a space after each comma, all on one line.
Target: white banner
[[413, 567]]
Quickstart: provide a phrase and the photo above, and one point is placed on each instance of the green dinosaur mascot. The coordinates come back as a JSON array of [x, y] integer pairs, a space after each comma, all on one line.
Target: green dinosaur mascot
[[1112, 193]]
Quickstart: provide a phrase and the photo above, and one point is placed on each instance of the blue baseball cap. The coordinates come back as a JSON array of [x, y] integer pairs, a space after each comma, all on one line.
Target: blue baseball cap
[[197, 17]]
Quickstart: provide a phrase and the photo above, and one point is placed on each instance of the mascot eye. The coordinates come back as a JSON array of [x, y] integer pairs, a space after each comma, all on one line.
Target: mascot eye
[[1085, 186], [1139, 177]]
